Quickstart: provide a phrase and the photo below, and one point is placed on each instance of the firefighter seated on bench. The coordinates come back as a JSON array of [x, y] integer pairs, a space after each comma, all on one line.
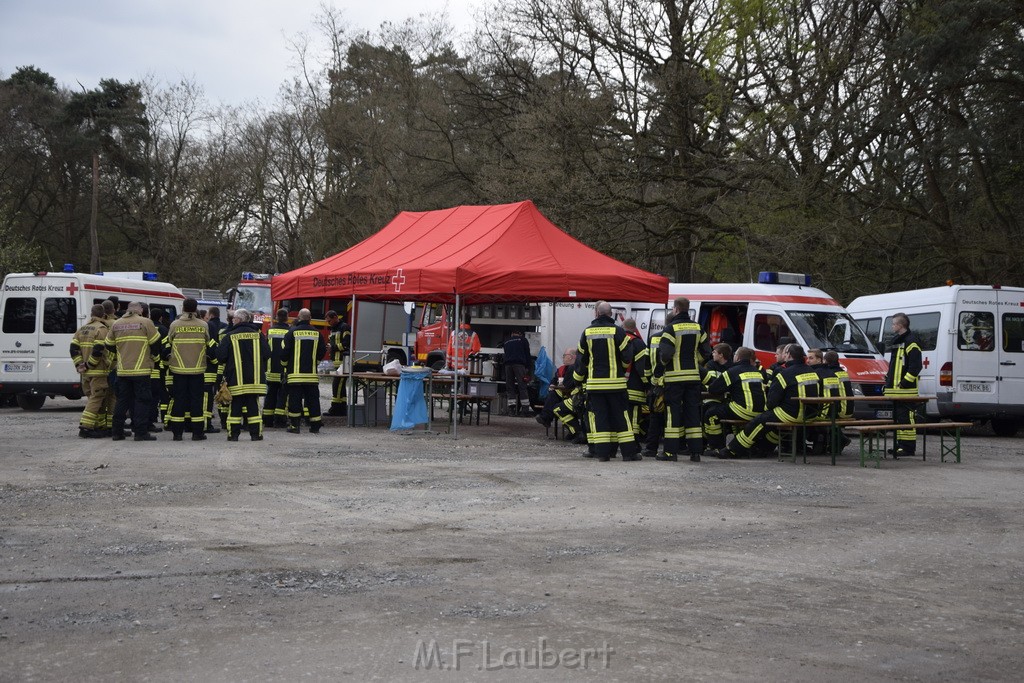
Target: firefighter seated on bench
[[794, 380], [742, 386], [562, 398]]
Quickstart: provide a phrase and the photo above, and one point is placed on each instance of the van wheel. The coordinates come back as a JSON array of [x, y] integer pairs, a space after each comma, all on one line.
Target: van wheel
[[1005, 427], [395, 354], [8, 400], [31, 401]]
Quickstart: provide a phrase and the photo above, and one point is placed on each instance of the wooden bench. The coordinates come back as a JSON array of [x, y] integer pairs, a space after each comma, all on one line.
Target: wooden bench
[[869, 449], [835, 428], [482, 404]]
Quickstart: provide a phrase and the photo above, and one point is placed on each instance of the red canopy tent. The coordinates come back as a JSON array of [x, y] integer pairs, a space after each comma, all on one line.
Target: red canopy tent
[[477, 254]]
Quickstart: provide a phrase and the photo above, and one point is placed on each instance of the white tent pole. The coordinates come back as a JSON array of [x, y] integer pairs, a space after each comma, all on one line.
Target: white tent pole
[[457, 329], [350, 389]]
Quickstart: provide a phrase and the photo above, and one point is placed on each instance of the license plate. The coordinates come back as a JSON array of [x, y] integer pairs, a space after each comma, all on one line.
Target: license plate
[[976, 387], [883, 414], [17, 367]]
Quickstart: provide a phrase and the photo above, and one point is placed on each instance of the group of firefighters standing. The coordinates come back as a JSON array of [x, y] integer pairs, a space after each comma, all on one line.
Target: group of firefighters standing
[[680, 389], [612, 392], [134, 366]]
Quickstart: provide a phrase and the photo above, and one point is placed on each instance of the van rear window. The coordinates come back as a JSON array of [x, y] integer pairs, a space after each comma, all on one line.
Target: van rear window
[[975, 331], [20, 315]]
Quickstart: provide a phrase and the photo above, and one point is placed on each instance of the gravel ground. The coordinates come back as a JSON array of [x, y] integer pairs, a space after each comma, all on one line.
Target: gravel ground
[[365, 554]]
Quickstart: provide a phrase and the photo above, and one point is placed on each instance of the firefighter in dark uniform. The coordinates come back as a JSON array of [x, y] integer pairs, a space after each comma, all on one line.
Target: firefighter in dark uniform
[[274, 404], [636, 383], [778, 366], [340, 343], [901, 380], [187, 345], [224, 409], [93, 423], [837, 383], [682, 350], [711, 410], [158, 375], [655, 401], [134, 342], [211, 377], [601, 362], [302, 349], [795, 380], [742, 386], [243, 353]]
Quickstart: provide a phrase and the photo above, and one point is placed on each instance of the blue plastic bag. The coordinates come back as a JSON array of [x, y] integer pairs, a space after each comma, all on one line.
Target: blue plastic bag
[[410, 403], [543, 371]]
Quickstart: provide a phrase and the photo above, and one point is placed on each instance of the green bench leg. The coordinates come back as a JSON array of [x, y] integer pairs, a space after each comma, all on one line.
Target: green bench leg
[[868, 448], [952, 450]]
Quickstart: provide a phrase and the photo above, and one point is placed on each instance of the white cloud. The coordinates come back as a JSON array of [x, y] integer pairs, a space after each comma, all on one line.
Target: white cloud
[[237, 50]]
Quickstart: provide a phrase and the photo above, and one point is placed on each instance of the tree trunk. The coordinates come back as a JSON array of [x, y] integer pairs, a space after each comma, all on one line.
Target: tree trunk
[[94, 239]]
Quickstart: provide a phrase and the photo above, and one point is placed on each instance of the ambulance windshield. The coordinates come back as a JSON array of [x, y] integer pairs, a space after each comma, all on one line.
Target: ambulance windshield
[[831, 330], [254, 298]]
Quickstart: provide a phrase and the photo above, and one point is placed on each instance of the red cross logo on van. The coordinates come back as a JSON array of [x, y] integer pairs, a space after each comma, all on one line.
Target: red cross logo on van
[[926, 362], [399, 280], [72, 288]]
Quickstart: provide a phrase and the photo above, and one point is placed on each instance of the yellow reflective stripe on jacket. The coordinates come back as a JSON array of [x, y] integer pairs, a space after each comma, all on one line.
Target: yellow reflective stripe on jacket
[[901, 358], [605, 370], [302, 364], [189, 342], [688, 337]]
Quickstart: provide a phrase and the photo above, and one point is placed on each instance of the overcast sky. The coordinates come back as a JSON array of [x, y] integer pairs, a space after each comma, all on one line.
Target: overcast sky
[[237, 50]]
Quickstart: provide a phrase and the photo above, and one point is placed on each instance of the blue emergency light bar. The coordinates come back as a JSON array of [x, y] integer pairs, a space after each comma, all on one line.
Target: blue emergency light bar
[[131, 275], [69, 267], [770, 277]]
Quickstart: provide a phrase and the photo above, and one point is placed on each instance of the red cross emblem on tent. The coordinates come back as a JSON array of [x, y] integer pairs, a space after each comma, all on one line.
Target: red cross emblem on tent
[[72, 288], [399, 280]]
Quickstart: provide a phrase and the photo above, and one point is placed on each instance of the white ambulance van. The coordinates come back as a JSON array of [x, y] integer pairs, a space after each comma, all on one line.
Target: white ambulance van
[[40, 312], [972, 346], [780, 308]]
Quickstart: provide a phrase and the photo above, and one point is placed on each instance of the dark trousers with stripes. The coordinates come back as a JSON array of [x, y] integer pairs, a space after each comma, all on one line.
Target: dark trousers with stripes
[[682, 405], [187, 399], [273, 404], [245, 409], [339, 396], [610, 428], [134, 394], [304, 394]]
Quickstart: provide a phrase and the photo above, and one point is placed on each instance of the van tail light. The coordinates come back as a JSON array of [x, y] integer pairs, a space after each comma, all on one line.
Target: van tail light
[[946, 374]]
